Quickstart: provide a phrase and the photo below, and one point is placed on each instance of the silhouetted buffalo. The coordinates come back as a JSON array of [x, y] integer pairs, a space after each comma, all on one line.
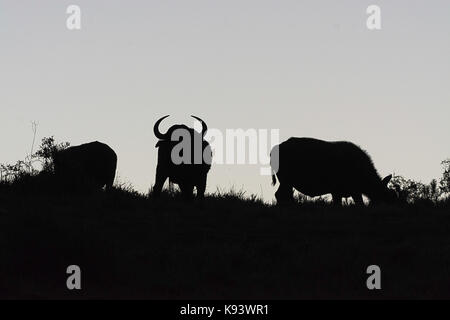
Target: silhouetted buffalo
[[184, 156], [315, 167], [90, 166]]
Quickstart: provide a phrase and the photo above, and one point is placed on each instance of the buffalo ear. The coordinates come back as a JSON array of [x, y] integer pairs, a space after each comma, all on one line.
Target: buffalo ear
[[386, 180]]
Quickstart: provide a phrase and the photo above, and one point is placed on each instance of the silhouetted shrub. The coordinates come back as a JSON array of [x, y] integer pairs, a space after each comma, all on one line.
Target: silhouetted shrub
[[24, 176], [414, 191], [445, 180], [12, 172], [48, 148]]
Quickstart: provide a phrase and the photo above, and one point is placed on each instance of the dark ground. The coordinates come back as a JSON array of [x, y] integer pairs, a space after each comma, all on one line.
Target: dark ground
[[131, 247]]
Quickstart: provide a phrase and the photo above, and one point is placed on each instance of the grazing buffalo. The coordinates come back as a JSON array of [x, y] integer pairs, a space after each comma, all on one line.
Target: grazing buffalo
[[184, 156], [90, 166], [315, 167]]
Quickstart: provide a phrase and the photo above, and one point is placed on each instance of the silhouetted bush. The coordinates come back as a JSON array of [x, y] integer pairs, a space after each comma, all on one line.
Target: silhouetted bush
[[12, 172], [24, 174], [414, 191], [445, 180], [48, 148]]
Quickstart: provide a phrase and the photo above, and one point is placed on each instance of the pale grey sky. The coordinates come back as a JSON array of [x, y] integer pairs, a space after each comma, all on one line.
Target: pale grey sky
[[309, 68]]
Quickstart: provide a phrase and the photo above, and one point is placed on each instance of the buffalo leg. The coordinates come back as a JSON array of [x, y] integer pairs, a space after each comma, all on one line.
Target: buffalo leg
[[358, 199], [201, 187], [337, 199], [284, 194], [159, 183]]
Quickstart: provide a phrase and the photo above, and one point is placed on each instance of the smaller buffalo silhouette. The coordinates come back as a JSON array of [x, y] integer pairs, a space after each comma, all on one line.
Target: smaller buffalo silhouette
[[184, 156], [90, 166], [316, 167]]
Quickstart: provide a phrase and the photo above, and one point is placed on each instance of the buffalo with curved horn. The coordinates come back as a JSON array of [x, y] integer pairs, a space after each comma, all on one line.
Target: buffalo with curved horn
[[184, 156], [316, 167]]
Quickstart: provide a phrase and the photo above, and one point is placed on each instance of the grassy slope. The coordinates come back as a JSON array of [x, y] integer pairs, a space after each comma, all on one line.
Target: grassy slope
[[130, 247]]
